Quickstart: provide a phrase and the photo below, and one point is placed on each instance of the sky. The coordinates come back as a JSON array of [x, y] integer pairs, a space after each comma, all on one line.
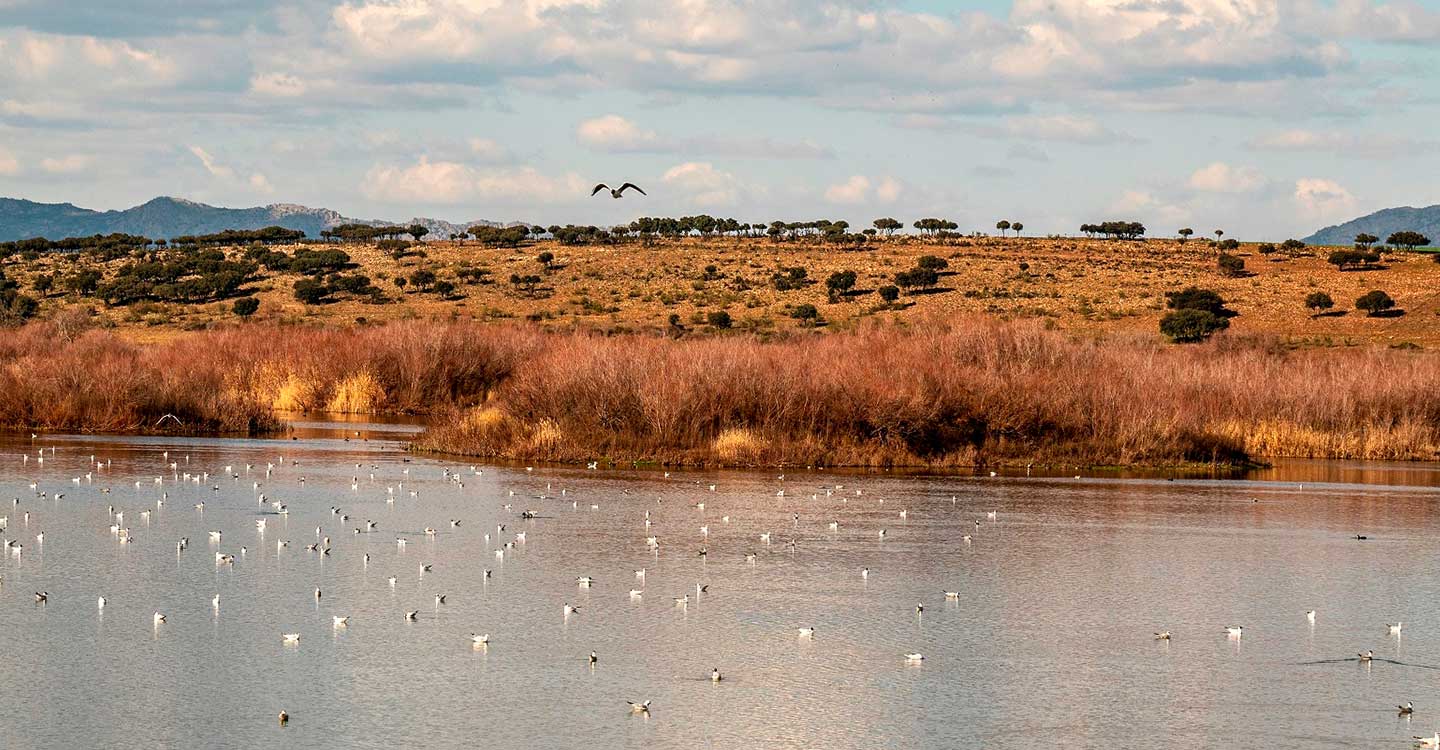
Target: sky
[[1265, 118]]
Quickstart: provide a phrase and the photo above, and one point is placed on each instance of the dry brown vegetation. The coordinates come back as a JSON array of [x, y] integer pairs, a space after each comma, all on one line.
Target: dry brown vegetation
[[953, 392], [1080, 285]]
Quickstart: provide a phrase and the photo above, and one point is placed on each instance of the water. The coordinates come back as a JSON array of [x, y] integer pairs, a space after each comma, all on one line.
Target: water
[[1050, 642]]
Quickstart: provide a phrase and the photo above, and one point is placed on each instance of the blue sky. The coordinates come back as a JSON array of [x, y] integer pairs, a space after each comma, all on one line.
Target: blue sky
[[1267, 118]]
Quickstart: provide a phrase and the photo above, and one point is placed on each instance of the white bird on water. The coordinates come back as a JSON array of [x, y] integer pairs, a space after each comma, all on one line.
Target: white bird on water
[[806, 632], [1395, 629], [340, 622], [1432, 741], [159, 618], [1310, 615], [480, 640], [100, 603], [914, 658], [639, 708], [290, 637], [1235, 631]]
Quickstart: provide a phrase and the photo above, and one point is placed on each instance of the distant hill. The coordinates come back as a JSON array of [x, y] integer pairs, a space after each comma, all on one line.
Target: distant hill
[[1381, 224], [163, 218]]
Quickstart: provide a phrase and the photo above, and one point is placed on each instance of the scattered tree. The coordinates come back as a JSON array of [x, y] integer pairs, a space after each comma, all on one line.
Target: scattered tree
[[1190, 326], [1185, 233], [1318, 302], [1231, 265], [888, 225], [1408, 240], [932, 263], [546, 258], [245, 306], [1364, 241], [1348, 259], [1018, 228], [718, 319], [43, 283], [889, 293], [839, 284], [1374, 302], [311, 291], [1002, 225], [1195, 298]]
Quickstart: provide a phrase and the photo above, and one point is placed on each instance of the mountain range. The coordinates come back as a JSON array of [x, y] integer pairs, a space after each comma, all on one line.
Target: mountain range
[[1382, 224], [164, 217]]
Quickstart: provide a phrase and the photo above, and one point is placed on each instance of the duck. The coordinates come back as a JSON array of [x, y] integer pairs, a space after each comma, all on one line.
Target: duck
[[1366, 656], [639, 708], [1163, 635], [1407, 709], [284, 718]]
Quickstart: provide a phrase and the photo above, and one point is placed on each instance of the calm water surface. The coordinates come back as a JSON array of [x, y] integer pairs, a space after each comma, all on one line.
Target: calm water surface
[[1049, 643]]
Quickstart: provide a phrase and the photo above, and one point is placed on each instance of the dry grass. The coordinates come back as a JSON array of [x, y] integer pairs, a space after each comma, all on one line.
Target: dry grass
[[959, 392], [1078, 285]]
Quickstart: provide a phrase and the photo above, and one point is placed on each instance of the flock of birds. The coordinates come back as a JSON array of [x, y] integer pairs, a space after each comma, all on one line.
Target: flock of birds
[[505, 539]]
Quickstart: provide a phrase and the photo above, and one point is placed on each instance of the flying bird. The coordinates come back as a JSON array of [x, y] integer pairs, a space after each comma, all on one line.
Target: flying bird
[[616, 193]]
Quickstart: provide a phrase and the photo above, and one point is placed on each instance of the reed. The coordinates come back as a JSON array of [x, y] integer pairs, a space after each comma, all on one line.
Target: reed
[[941, 393]]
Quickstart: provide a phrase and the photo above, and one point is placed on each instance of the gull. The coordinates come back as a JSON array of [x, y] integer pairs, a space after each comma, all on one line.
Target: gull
[[100, 603], [215, 535], [636, 593], [585, 581], [682, 601], [223, 559], [919, 609], [990, 515], [865, 574], [640, 574], [284, 718], [1163, 635], [454, 523], [1235, 631], [952, 595], [392, 582], [290, 637], [1395, 629], [639, 708], [1428, 742], [480, 640], [317, 593], [159, 618], [1310, 615], [569, 610], [1366, 656], [715, 675], [215, 602], [594, 657], [340, 622], [412, 615], [41, 597], [914, 658], [439, 599], [806, 632]]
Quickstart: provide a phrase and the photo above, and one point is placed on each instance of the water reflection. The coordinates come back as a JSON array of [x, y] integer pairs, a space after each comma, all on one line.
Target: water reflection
[[1048, 637]]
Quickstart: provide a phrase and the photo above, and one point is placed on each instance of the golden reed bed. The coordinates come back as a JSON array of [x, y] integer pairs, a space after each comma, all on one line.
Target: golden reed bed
[[944, 394]]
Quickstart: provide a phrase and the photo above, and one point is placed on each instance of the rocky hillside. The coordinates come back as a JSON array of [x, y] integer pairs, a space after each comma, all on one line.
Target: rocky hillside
[[170, 217], [1381, 224]]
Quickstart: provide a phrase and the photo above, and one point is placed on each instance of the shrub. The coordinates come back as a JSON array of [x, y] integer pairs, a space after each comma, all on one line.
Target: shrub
[[790, 278], [546, 258], [807, 312], [932, 263], [1231, 265], [917, 277], [422, 279], [889, 293], [1346, 259], [1374, 302], [1188, 326], [245, 306], [310, 291], [1319, 302], [444, 288], [1292, 246], [1231, 244], [718, 319], [1266, 248], [43, 283], [839, 283], [1195, 298]]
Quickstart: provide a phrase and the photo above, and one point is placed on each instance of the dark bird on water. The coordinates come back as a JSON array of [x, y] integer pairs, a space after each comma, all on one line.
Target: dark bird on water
[[616, 193]]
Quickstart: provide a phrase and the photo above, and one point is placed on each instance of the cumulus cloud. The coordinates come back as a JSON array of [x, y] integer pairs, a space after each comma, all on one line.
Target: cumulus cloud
[[1370, 145], [257, 182], [68, 164], [448, 182], [616, 134], [1322, 199], [1220, 177], [9, 165], [703, 184], [278, 85], [1076, 129], [859, 190], [1148, 207]]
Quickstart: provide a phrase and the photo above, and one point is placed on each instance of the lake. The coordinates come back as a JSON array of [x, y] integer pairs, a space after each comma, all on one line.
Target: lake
[[1049, 642]]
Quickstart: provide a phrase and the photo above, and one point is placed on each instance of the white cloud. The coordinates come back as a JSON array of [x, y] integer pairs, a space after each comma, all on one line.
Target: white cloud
[[489, 150], [1054, 128], [1323, 199], [1371, 145], [261, 184], [448, 182], [277, 84], [86, 62], [1220, 177], [1146, 206], [859, 189], [68, 164], [211, 166], [703, 184], [9, 165], [615, 133]]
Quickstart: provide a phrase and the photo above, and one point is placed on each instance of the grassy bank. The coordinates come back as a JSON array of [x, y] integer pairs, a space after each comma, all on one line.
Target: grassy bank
[[956, 393]]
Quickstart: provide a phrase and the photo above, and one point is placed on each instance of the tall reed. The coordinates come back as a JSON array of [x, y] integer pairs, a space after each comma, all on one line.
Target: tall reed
[[942, 393]]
